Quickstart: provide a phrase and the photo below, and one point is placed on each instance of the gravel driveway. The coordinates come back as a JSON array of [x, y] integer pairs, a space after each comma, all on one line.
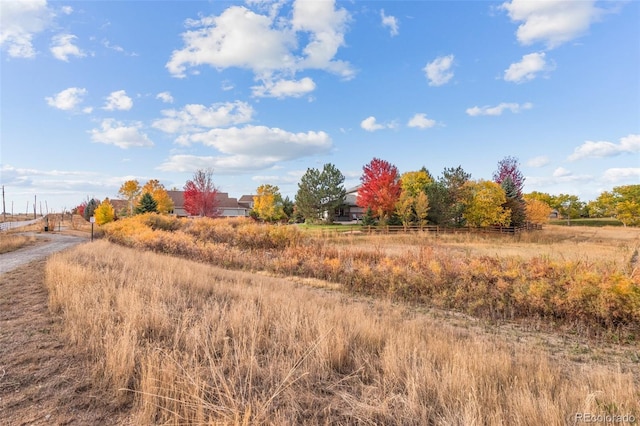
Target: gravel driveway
[[57, 242]]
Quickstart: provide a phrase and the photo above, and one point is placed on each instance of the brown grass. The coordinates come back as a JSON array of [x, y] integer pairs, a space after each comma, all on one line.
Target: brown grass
[[194, 344], [597, 295], [11, 242]]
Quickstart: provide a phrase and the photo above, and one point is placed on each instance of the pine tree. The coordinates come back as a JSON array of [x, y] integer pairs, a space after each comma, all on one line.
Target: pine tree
[[147, 204]]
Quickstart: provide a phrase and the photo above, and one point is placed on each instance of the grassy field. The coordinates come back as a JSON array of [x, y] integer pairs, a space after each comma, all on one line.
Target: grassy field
[[188, 343], [584, 279], [10, 241]]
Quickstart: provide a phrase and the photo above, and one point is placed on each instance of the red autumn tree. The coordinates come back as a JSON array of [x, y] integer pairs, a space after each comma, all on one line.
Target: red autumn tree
[[380, 189], [200, 194]]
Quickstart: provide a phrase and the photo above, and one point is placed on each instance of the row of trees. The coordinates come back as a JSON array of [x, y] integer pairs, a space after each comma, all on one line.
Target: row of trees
[[453, 198], [415, 197], [152, 197]]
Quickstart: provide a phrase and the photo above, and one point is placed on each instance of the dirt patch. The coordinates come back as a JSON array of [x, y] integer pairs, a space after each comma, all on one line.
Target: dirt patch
[[43, 381]]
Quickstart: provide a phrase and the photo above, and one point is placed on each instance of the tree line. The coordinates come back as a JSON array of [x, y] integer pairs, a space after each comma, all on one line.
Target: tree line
[[386, 197]]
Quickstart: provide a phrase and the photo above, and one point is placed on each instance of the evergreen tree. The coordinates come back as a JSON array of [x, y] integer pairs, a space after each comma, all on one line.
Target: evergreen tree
[[455, 196], [147, 204], [514, 202], [320, 193], [90, 208]]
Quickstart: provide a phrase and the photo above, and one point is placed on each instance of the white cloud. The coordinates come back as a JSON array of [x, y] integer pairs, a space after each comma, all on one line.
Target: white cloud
[[370, 125], [196, 117], [561, 172], [67, 10], [421, 121], [250, 148], [20, 21], [391, 22], [527, 69], [539, 161], [62, 47], [628, 174], [165, 97], [67, 99], [628, 145], [118, 101], [325, 27], [439, 71], [498, 109], [284, 88], [116, 133], [269, 45], [553, 22]]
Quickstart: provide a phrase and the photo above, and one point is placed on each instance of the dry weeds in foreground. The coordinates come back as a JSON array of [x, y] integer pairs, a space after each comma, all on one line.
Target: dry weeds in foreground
[[194, 344], [11, 242]]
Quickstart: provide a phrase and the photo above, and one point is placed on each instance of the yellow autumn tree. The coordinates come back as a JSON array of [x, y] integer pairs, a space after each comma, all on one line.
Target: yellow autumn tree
[[130, 190], [404, 208], [537, 211], [413, 183], [104, 213], [267, 203], [484, 205], [159, 194]]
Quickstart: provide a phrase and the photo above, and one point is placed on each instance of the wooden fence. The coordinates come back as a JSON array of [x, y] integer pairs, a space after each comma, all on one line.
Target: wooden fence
[[451, 229], [431, 229]]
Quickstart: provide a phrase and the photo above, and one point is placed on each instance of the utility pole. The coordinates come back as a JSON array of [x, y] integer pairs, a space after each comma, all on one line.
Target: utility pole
[[4, 210], [35, 205]]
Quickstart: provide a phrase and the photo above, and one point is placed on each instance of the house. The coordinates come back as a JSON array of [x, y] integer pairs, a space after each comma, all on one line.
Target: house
[[120, 207], [227, 206], [246, 201], [349, 210]]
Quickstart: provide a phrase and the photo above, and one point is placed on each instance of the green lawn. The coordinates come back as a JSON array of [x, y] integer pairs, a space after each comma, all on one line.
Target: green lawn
[[606, 221]]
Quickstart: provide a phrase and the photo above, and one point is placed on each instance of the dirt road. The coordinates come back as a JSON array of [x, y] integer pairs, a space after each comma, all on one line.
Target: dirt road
[[55, 243], [43, 380]]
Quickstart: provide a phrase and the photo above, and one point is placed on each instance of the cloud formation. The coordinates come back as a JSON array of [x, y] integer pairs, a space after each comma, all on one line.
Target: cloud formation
[[439, 71], [371, 125], [20, 22], [553, 22], [266, 44], [539, 161], [62, 47], [622, 174], [527, 69], [116, 133], [498, 109], [284, 88], [196, 118], [118, 101], [249, 148], [68, 99], [421, 121], [391, 22], [165, 97], [628, 145]]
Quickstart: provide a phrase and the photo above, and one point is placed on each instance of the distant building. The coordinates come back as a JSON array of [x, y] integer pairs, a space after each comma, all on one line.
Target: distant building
[[227, 206], [350, 209]]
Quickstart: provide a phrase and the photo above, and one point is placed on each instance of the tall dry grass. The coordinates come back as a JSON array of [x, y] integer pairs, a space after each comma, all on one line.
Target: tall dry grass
[[598, 295], [189, 343], [11, 242]]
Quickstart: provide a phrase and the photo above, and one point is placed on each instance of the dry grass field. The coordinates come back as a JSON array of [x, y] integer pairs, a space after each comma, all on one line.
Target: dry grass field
[[190, 343], [11, 241]]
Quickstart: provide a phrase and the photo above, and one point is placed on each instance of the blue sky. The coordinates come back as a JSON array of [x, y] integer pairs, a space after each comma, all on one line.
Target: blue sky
[[96, 93]]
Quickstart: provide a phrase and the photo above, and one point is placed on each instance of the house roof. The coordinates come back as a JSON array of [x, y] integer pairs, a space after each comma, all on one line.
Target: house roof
[[177, 197], [222, 200]]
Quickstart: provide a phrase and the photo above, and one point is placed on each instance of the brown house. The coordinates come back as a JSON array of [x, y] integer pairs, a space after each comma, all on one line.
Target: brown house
[[227, 206]]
